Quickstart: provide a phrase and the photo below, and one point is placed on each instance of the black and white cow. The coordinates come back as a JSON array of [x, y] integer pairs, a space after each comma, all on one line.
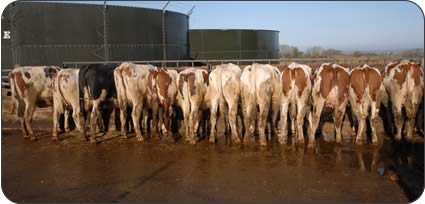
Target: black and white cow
[[97, 88]]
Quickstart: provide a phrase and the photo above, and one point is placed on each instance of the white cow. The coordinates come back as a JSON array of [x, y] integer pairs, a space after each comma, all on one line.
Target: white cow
[[223, 93], [260, 87], [65, 99]]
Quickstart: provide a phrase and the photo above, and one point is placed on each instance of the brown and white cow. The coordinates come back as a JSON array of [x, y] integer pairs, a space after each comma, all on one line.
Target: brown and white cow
[[404, 83], [296, 89], [260, 86], [365, 93], [65, 99], [330, 90], [31, 86], [223, 93], [161, 95], [131, 81], [192, 84]]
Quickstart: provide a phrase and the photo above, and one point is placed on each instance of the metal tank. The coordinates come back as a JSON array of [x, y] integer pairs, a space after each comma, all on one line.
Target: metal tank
[[234, 44], [44, 33]]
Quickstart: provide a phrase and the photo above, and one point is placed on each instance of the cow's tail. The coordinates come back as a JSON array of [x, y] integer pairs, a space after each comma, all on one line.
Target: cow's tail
[[82, 84], [186, 92], [120, 85], [14, 94]]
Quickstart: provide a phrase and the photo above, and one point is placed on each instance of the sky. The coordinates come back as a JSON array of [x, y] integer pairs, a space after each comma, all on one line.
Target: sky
[[340, 25]]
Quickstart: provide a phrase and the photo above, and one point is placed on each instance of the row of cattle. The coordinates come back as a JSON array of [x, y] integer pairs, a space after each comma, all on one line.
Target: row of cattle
[[262, 93]]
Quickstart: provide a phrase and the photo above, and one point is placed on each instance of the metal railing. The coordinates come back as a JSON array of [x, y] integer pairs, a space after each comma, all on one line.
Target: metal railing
[[180, 63]]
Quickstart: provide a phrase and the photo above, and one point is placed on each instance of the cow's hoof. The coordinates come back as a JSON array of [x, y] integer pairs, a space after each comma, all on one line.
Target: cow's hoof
[[139, 138], [55, 138], [92, 140], [359, 142], [67, 130], [124, 137], [83, 139], [33, 138], [397, 138], [282, 143], [26, 137], [338, 141], [300, 142], [192, 142], [263, 143], [311, 145], [212, 141]]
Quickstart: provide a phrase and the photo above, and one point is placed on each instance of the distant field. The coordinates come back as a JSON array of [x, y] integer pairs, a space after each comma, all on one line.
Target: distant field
[[349, 62]]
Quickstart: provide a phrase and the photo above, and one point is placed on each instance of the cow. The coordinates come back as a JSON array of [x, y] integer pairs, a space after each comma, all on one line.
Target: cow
[[131, 81], [260, 86], [404, 83], [223, 94], [192, 86], [365, 92], [161, 97], [96, 89], [31, 86], [296, 89], [65, 99], [329, 91]]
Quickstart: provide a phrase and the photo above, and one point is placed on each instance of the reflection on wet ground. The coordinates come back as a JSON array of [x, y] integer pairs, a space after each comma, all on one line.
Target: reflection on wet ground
[[125, 170]]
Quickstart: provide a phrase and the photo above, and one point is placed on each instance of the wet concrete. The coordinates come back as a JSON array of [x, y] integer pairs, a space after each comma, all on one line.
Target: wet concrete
[[155, 171], [117, 170]]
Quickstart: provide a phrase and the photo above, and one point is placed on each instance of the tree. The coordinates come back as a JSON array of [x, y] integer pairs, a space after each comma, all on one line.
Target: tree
[[287, 51]]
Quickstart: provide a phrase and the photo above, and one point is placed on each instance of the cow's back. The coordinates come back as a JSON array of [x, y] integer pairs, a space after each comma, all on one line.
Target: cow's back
[[98, 77], [331, 82], [66, 85], [35, 81]]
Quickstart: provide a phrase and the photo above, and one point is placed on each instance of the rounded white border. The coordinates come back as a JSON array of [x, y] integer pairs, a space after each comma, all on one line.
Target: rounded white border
[[3, 4]]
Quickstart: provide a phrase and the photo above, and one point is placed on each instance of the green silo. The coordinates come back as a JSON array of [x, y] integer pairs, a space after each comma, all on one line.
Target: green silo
[[234, 44]]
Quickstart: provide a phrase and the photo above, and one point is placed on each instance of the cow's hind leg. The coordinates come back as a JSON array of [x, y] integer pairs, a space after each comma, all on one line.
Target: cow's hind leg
[[94, 121], [361, 117], [28, 114], [186, 121], [398, 120], [283, 133], [56, 118], [374, 122], [167, 117], [233, 111], [301, 111], [66, 120], [135, 116], [338, 117], [213, 120], [411, 119], [249, 120], [314, 119], [194, 123], [264, 110], [123, 119], [293, 116]]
